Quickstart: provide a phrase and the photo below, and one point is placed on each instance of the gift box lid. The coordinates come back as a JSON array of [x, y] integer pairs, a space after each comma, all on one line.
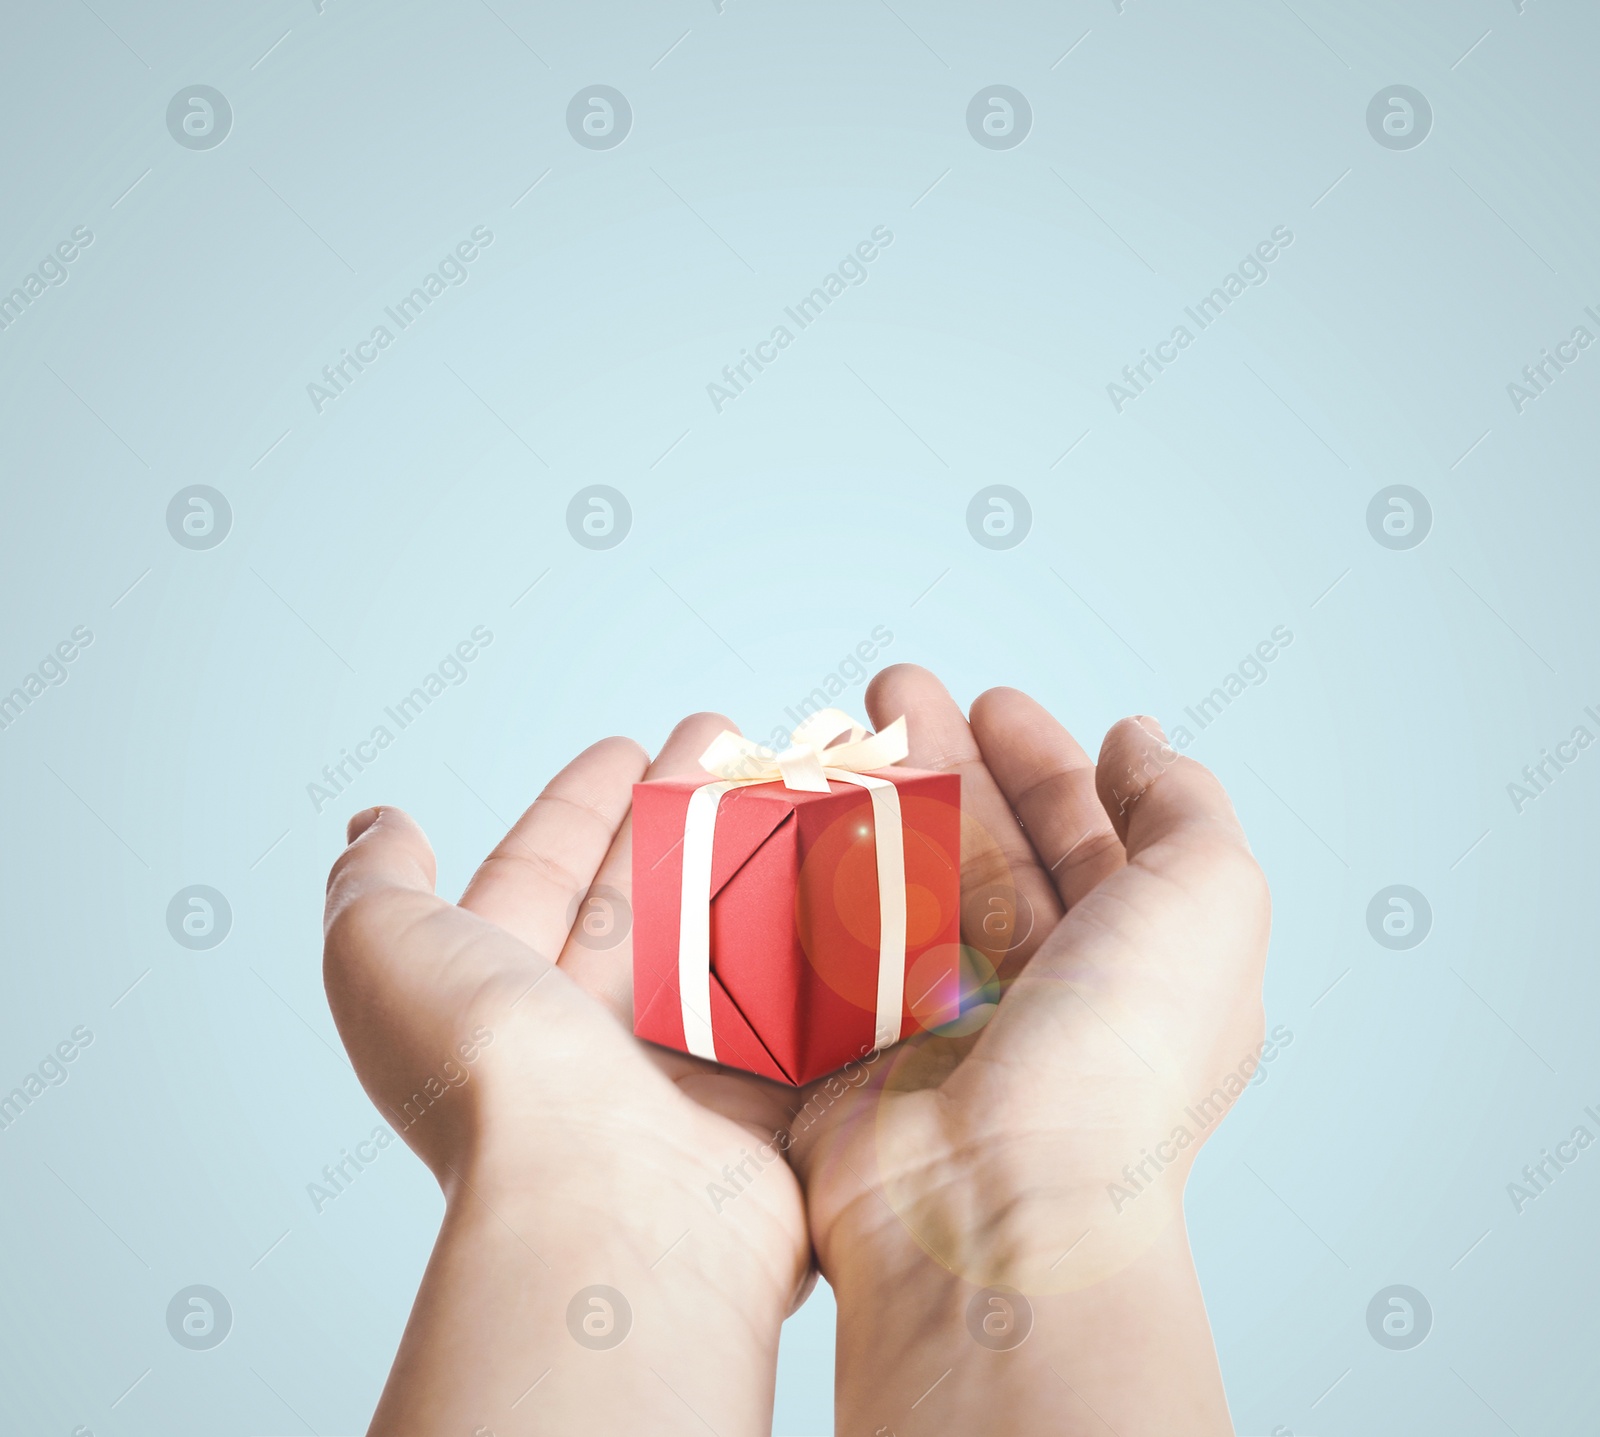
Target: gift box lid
[[747, 817]]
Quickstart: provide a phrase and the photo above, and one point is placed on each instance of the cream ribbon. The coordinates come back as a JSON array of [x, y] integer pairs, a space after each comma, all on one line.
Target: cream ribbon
[[806, 765]]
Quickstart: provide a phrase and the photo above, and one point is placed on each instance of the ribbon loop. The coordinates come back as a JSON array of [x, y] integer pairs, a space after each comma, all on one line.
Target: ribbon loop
[[812, 752], [824, 726]]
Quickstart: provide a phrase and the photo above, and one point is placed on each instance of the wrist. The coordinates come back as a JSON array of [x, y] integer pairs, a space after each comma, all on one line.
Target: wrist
[[923, 1349], [583, 1221], [997, 1213], [639, 1193], [545, 1312]]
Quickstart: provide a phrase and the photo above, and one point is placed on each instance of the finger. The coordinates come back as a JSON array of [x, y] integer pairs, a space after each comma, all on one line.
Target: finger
[[1007, 902], [1049, 782], [406, 971], [379, 889], [607, 971], [386, 850], [537, 873], [1163, 806], [1140, 969]]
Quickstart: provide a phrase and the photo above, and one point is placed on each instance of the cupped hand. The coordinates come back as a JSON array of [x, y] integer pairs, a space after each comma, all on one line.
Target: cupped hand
[[497, 1040], [1047, 1150]]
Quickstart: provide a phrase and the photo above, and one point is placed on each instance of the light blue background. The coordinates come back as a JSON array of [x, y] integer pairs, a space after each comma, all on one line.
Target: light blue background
[[771, 538]]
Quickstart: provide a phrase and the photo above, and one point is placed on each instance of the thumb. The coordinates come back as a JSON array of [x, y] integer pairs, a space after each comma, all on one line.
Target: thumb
[[386, 851], [380, 889], [1158, 800]]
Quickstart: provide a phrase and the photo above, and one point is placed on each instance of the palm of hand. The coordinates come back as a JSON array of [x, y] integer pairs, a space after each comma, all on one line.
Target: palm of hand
[[1042, 1151], [558, 1096]]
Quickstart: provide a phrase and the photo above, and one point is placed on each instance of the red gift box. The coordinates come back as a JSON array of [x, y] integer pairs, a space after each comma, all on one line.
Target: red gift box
[[795, 921]]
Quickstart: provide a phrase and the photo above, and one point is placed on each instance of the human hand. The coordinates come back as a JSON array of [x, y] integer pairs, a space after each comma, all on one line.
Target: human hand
[[569, 1153], [1041, 1152]]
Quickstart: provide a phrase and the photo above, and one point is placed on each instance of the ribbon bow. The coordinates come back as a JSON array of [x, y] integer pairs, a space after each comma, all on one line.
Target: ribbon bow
[[809, 761]]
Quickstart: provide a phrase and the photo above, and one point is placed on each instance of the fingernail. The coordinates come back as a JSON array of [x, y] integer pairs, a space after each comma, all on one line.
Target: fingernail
[[1151, 727], [359, 824]]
